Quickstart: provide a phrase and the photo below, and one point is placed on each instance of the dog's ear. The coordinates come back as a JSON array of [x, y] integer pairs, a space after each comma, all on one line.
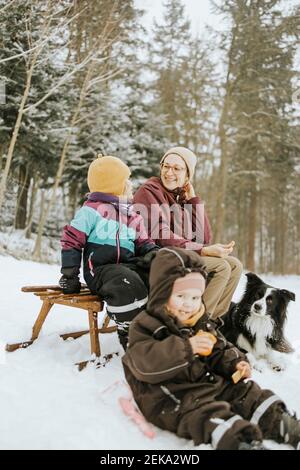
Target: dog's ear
[[254, 279], [288, 294]]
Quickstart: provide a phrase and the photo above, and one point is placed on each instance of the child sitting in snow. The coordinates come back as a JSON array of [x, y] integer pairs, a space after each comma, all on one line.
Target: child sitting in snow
[[112, 237], [180, 367]]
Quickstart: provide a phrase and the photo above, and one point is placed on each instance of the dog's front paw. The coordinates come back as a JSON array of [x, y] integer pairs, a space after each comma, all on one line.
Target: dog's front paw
[[257, 366], [255, 363], [276, 361]]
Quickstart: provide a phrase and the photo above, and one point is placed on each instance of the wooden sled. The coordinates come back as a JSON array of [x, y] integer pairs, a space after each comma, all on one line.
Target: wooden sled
[[51, 295]]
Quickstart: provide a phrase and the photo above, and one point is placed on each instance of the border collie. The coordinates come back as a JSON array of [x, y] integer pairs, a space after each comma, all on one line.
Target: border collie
[[256, 323]]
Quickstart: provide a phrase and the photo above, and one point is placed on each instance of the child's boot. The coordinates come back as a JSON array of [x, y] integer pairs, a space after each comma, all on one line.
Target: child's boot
[[290, 429], [253, 445]]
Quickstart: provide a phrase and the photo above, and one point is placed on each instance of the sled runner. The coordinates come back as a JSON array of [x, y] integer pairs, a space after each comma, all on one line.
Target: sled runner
[[130, 409], [51, 295]]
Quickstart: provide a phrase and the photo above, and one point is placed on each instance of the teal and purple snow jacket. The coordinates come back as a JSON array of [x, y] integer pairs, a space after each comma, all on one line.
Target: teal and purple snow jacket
[[108, 231]]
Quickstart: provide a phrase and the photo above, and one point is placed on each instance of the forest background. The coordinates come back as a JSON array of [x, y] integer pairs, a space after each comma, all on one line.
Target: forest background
[[83, 77]]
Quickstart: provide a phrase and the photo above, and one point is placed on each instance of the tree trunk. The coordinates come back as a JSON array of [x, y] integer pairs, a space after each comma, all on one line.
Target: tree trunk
[[2, 151], [38, 243], [261, 238], [250, 263], [222, 177], [241, 218], [34, 188], [21, 210], [280, 237], [297, 242], [16, 130], [222, 180], [73, 198]]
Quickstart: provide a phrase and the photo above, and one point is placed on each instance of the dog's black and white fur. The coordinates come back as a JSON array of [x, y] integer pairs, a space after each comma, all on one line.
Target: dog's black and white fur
[[256, 323]]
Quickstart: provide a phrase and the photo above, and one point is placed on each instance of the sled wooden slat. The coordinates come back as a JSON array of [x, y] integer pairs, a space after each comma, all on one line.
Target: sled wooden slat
[[85, 294], [83, 305], [40, 288], [47, 288], [77, 334], [51, 295]]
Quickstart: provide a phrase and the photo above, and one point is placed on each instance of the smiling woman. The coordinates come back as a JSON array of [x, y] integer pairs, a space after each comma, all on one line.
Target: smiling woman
[[172, 175], [175, 174], [177, 167], [175, 216]]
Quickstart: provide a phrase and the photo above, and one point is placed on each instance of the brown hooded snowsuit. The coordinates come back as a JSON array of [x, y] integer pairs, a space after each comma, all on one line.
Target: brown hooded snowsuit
[[191, 395]]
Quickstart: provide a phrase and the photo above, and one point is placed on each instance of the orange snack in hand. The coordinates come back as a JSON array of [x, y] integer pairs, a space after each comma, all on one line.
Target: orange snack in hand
[[237, 376], [211, 337]]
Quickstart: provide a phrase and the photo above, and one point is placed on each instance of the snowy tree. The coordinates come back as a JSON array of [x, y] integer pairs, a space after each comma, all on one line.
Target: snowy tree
[[256, 137], [168, 51]]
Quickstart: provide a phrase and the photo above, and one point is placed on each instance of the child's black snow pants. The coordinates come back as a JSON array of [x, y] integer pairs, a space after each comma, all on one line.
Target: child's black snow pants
[[241, 413], [124, 288]]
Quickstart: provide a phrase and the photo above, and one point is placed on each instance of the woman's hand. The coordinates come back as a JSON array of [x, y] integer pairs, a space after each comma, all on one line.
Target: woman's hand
[[189, 191], [201, 345], [218, 250]]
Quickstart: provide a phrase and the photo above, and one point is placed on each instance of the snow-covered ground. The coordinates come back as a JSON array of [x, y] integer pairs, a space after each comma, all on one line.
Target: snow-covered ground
[[45, 403]]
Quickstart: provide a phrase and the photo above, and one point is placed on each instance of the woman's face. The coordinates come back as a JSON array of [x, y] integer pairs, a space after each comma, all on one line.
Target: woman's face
[[173, 172]]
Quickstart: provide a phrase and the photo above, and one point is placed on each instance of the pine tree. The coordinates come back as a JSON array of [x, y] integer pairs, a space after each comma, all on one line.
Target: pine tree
[[99, 126], [258, 119], [36, 144], [116, 118], [200, 106], [184, 88], [168, 51]]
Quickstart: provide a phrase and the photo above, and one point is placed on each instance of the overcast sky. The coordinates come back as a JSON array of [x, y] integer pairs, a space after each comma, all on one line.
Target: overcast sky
[[198, 11]]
